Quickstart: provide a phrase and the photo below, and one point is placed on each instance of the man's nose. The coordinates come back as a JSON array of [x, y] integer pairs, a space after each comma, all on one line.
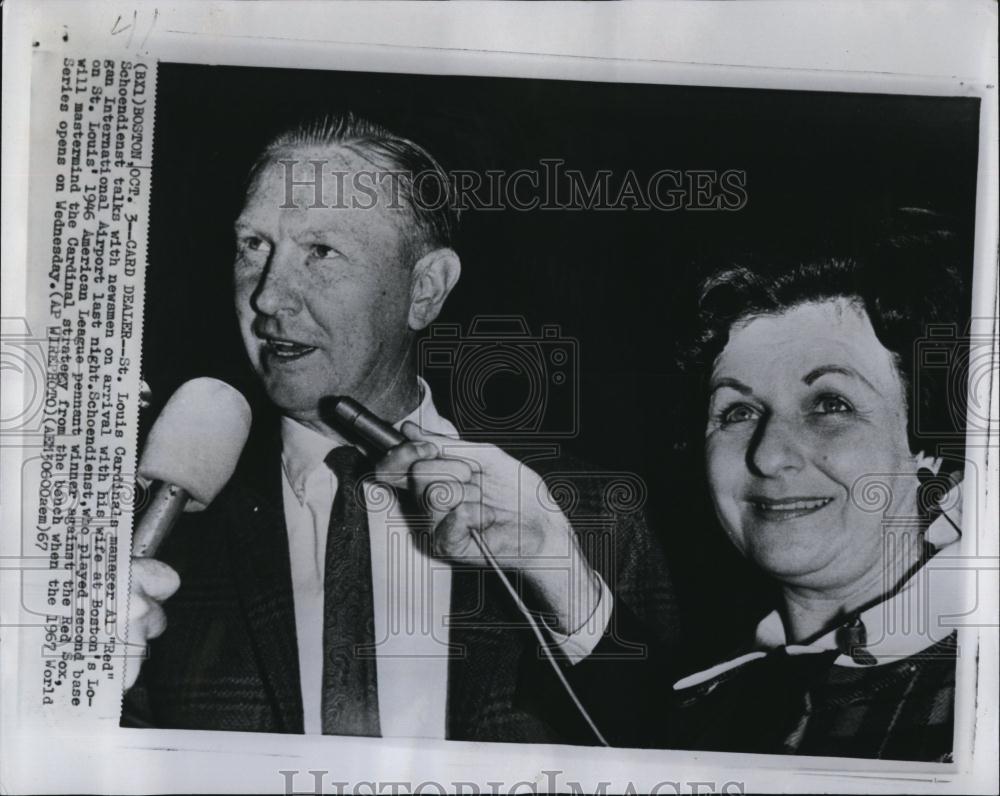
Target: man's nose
[[776, 447], [279, 290]]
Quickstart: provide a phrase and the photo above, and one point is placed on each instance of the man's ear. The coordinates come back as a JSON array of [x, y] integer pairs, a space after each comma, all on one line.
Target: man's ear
[[434, 275]]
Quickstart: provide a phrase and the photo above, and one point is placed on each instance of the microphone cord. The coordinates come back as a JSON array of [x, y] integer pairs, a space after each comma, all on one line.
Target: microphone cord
[[536, 629]]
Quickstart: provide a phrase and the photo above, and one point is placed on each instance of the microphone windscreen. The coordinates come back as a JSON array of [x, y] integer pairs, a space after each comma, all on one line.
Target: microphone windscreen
[[197, 439]]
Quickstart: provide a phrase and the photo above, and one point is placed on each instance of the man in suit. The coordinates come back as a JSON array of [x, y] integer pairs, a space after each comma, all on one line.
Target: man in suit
[[319, 593]]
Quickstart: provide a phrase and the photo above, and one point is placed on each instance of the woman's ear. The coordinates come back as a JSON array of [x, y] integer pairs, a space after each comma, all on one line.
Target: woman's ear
[[434, 275]]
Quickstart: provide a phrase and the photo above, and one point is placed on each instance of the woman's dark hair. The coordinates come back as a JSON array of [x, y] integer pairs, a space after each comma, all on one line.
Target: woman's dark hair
[[908, 281]]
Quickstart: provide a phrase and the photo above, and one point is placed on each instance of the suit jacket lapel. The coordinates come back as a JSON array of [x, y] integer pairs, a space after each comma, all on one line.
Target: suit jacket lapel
[[461, 689], [480, 648], [263, 573]]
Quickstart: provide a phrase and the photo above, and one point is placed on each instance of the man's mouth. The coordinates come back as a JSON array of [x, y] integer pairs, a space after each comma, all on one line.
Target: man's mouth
[[778, 509], [284, 350]]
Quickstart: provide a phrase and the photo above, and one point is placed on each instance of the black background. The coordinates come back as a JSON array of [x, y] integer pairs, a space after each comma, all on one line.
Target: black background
[[618, 283]]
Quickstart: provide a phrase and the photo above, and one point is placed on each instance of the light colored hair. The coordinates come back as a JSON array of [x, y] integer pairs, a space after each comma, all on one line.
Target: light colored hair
[[424, 186]]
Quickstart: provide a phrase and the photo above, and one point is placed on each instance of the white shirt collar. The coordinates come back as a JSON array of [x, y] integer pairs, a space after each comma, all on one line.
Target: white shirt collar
[[304, 449], [925, 611]]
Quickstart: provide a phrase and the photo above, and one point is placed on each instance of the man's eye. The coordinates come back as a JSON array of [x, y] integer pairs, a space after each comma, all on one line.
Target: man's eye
[[321, 252], [832, 405], [252, 243], [738, 413]]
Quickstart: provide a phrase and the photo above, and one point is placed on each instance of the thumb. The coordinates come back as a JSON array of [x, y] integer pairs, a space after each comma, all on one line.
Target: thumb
[[416, 433], [154, 578]]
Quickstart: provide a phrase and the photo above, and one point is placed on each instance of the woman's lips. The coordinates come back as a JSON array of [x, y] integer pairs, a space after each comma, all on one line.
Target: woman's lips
[[779, 509]]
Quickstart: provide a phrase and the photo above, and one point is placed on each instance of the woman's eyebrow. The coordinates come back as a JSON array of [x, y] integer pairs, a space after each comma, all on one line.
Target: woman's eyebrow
[[739, 386], [843, 370]]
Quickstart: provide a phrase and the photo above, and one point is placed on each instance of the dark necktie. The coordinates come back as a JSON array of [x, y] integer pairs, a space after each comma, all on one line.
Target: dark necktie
[[350, 686]]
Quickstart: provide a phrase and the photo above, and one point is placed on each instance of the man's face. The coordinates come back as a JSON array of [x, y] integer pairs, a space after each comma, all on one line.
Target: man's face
[[323, 293]]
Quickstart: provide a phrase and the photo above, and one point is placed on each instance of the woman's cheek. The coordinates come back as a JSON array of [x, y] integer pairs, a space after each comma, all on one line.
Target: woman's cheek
[[726, 464], [840, 439]]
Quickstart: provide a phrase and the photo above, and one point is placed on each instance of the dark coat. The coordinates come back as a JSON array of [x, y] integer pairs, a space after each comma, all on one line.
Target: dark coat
[[777, 704], [229, 657]]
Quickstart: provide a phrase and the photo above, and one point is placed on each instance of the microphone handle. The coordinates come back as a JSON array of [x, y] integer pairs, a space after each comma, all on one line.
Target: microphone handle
[[354, 417], [159, 517]]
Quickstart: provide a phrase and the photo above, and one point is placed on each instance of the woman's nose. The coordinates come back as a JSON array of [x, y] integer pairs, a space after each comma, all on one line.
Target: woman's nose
[[279, 290], [776, 447]]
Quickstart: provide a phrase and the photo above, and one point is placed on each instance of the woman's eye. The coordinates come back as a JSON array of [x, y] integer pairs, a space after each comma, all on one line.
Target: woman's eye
[[739, 413], [832, 404]]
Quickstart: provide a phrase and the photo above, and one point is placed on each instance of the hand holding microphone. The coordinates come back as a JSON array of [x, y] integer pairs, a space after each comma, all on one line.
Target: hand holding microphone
[[190, 454], [488, 508], [478, 490]]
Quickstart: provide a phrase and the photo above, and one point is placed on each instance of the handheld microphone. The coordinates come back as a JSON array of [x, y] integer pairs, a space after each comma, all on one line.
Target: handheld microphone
[[355, 420], [191, 452]]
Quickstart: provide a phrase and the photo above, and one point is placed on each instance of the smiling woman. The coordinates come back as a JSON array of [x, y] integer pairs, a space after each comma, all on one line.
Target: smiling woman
[[812, 396], [805, 404], [811, 403]]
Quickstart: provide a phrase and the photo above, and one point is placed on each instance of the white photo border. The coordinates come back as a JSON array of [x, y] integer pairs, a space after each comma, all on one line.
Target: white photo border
[[898, 48]]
